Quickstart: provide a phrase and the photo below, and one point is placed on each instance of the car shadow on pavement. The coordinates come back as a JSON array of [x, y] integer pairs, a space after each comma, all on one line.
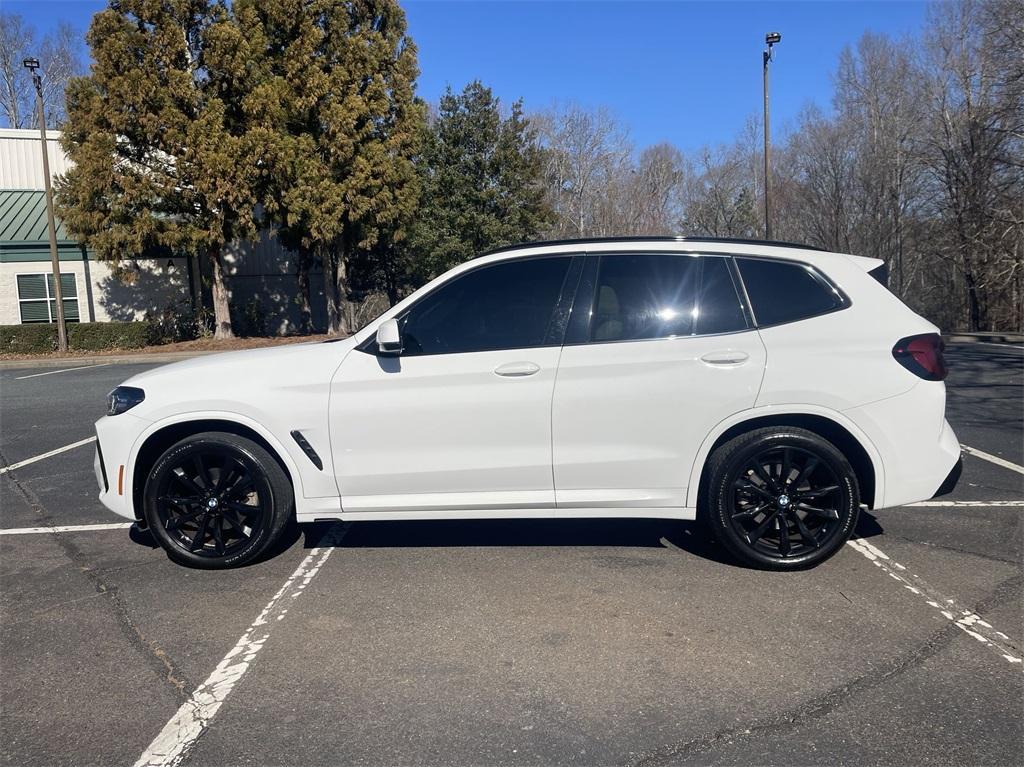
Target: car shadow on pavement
[[690, 537]]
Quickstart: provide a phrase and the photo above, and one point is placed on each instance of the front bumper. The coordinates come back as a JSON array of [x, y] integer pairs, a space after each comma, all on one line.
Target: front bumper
[[116, 437]]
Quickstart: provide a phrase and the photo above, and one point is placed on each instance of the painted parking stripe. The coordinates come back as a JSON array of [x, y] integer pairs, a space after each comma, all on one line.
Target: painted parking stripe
[[993, 459], [66, 528], [965, 620], [194, 716], [65, 370], [969, 504], [41, 456]]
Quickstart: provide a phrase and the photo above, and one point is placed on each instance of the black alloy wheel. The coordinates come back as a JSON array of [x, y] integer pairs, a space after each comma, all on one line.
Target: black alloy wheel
[[782, 498], [216, 500]]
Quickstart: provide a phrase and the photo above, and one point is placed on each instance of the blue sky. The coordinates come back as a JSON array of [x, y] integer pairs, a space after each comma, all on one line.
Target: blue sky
[[684, 72]]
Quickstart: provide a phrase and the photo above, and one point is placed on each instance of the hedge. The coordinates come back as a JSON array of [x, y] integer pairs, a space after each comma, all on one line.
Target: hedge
[[82, 336]]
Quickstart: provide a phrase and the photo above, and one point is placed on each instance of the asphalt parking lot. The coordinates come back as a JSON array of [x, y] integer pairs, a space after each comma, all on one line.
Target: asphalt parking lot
[[510, 642]]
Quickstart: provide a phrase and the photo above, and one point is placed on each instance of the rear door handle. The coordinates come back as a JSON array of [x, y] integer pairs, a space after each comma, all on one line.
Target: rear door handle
[[516, 369], [730, 357]]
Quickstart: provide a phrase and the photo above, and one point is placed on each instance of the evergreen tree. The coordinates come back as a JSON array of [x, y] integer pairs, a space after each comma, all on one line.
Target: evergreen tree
[[162, 159], [335, 99], [482, 180]]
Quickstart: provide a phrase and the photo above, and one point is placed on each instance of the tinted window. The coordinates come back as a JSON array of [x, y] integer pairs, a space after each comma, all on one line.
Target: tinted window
[[505, 306], [784, 292], [655, 296]]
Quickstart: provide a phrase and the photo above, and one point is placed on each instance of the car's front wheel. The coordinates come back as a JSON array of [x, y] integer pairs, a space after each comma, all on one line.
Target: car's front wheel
[[781, 498], [216, 500]]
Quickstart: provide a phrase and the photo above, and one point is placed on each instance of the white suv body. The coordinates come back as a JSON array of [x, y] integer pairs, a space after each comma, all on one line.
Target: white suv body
[[576, 379]]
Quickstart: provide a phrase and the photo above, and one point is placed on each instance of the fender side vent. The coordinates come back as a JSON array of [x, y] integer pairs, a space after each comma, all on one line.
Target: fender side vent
[[307, 448]]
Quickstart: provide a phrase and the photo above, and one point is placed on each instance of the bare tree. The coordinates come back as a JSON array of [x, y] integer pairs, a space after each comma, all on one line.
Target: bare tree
[[59, 59], [974, 150], [15, 88], [653, 192], [878, 99], [718, 198], [588, 156]]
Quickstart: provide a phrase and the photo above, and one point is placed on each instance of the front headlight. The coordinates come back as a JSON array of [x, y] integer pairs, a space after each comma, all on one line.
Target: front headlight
[[124, 398]]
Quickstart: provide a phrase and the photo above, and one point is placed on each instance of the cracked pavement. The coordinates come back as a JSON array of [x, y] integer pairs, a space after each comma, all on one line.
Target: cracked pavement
[[631, 642]]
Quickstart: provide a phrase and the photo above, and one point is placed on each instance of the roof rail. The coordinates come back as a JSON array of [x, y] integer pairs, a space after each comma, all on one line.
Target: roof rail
[[659, 238]]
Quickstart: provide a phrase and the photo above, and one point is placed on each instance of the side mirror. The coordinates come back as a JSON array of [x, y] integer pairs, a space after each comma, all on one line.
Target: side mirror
[[389, 338]]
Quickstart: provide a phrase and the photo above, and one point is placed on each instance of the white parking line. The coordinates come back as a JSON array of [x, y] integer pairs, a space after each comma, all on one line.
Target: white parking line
[[195, 714], [965, 620], [992, 458], [999, 346], [65, 370], [41, 456], [65, 528], [990, 504]]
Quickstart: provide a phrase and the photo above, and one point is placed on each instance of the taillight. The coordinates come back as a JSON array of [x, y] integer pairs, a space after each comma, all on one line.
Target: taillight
[[922, 356]]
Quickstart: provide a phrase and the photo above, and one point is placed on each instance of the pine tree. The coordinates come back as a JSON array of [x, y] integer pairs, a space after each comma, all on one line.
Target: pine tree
[[162, 160], [482, 179], [336, 95]]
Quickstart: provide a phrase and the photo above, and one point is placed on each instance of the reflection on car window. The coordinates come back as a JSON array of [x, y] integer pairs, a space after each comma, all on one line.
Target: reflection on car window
[[504, 306], [659, 296], [785, 292]]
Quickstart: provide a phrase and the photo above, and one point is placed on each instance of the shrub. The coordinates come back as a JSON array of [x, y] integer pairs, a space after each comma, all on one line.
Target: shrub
[[84, 336], [28, 339], [175, 322], [96, 336]]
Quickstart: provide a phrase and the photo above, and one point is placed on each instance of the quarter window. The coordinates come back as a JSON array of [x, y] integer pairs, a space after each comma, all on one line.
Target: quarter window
[[36, 301], [782, 291], [660, 296], [504, 306]]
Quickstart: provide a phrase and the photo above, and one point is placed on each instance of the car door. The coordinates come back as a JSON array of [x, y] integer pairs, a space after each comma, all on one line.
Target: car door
[[663, 353], [461, 419]]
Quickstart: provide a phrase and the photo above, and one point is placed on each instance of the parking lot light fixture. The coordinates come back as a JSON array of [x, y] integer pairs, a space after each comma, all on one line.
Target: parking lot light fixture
[[770, 39], [32, 65]]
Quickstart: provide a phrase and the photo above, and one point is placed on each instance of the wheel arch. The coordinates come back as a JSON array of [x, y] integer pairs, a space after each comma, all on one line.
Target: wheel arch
[[159, 437], [847, 438]]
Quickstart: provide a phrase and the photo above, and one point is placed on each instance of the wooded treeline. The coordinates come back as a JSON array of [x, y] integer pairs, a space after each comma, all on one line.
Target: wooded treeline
[[200, 123]]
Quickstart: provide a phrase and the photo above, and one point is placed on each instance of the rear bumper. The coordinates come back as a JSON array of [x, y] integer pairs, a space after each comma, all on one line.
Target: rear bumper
[[951, 479], [917, 447]]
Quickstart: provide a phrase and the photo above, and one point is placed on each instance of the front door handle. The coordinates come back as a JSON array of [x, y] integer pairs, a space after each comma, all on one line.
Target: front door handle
[[730, 357], [516, 369]]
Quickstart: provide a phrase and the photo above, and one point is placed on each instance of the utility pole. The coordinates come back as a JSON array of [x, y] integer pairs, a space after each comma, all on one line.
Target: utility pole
[[62, 332], [770, 39]]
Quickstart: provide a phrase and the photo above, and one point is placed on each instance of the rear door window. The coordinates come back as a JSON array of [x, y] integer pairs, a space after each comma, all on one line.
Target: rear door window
[[660, 296], [785, 291]]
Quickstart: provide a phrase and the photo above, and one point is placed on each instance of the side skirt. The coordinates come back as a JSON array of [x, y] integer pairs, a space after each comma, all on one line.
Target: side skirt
[[317, 515]]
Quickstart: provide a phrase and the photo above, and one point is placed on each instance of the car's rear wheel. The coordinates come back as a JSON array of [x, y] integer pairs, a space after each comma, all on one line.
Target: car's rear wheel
[[216, 500], [781, 498]]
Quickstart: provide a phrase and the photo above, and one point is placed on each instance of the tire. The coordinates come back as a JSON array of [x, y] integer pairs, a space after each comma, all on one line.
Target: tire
[[780, 474], [217, 500]]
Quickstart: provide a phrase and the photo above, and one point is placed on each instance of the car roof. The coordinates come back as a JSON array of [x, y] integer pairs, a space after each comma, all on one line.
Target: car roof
[[638, 243], [709, 245]]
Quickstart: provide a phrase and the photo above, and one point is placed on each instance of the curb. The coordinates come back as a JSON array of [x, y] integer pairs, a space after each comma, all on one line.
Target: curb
[[108, 359], [992, 338]]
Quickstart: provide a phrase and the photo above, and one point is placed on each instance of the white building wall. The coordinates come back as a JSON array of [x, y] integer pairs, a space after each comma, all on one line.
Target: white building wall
[[260, 269], [21, 162], [157, 286]]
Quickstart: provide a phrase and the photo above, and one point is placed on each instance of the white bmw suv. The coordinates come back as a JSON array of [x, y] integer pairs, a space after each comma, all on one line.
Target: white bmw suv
[[771, 390]]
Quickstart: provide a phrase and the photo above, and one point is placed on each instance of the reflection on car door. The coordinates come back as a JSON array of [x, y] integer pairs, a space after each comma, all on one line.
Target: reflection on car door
[[665, 353], [462, 419]]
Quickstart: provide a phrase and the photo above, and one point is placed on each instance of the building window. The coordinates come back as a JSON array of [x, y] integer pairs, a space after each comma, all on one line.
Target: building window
[[36, 300]]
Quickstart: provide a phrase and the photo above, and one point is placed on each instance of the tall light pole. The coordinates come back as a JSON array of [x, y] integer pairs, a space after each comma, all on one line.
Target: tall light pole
[[770, 39], [62, 332]]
